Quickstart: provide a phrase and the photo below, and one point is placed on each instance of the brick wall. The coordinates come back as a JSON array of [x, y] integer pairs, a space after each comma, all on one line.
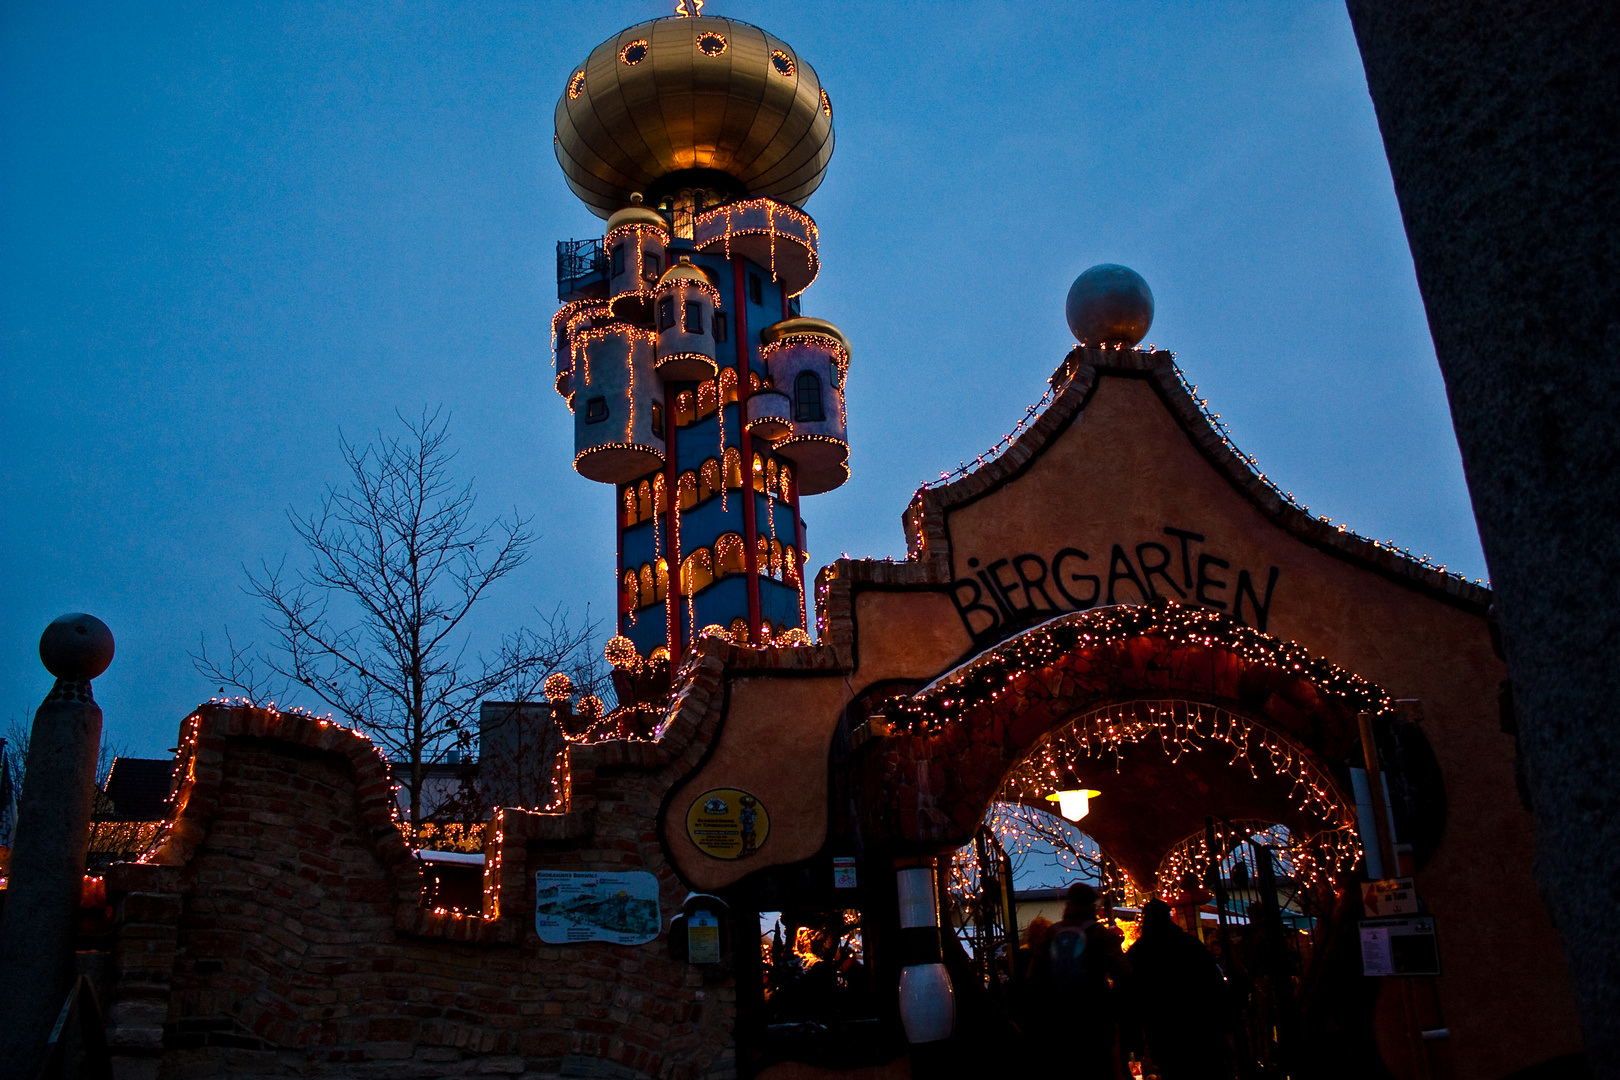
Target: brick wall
[[277, 932]]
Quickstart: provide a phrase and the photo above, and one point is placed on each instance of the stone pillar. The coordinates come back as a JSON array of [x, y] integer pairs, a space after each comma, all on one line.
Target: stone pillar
[[1502, 125], [46, 873]]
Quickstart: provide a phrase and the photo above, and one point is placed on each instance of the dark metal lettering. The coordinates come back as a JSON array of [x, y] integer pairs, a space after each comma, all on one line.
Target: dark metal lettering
[[966, 610], [1261, 609], [1186, 560], [1149, 569], [995, 594], [1005, 588], [1205, 581], [1058, 579], [1033, 585], [1116, 559]]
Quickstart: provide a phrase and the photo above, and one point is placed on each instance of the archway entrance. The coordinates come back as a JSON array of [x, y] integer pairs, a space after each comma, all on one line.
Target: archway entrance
[[1219, 758], [1238, 827]]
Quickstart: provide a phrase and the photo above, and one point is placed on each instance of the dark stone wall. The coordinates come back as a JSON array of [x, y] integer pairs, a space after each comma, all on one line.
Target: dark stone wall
[[1502, 125]]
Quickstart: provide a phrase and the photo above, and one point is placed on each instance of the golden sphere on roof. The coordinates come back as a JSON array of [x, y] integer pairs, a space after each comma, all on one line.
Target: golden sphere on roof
[[698, 102], [683, 271], [637, 215]]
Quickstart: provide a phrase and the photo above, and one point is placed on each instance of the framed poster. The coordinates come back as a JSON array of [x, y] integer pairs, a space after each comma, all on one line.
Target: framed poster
[[572, 906], [1399, 947]]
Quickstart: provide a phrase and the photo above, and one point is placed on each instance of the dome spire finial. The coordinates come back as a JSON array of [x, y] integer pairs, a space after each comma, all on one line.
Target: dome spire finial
[[688, 9]]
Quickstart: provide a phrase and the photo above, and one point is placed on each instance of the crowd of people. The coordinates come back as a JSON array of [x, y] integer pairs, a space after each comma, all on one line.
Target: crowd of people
[[1089, 1008]]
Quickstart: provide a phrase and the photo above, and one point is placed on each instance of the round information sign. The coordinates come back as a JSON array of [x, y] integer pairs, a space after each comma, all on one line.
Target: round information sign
[[727, 824]]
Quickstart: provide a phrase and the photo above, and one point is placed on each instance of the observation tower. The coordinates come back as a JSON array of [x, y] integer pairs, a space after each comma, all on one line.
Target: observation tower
[[698, 388]]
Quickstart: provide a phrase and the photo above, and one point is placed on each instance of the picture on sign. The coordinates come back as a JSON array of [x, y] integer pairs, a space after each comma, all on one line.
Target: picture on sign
[[703, 937], [573, 906], [1395, 896], [727, 824], [1399, 947], [844, 872]]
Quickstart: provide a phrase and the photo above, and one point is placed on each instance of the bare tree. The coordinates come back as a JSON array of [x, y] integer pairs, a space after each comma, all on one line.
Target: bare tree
[[376, 625]]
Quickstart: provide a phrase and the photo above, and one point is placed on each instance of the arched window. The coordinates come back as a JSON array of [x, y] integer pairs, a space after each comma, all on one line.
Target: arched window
[[759, 473], [739, 630], [733, 468], [762, 557], [663, 581], [709, 480], [630, 516], [790, 564], [644, 500], [807, 397], [686, 490], [660, 501], [728, 384], [786, 482], [632, 591], [776, 559], [708, 398], [770, 477], [649, 588], [685, 408], [697, 572], [728, 555]]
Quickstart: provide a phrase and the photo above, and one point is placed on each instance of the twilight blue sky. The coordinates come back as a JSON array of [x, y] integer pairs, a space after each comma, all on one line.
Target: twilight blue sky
[[230, 230]]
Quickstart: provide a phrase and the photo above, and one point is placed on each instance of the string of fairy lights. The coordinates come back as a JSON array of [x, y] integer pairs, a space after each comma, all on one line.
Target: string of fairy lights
[[1216, 424], [993, 673]]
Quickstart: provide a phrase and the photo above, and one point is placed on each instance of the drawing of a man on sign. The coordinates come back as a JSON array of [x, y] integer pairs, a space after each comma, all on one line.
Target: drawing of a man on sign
[[727, 824]]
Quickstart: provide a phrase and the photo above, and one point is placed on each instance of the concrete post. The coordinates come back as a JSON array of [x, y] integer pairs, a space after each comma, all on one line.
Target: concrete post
[[46, 873], [1502, 125]]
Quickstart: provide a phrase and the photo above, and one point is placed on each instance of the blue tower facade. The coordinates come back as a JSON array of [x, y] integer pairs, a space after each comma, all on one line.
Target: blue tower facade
[[698, 389]]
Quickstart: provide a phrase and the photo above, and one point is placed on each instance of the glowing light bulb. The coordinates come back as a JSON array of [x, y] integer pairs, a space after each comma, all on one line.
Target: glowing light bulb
[[1074, 803]]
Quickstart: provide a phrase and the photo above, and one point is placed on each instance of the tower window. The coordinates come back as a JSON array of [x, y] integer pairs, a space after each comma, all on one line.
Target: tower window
[[666, 313], [650, 265], [756, 290], [807, 397], [782, 62], [634, 53], [793, 306], [657, 420], [692, 318], [596, 410], [618, 259], [711, 43], [721, 330]]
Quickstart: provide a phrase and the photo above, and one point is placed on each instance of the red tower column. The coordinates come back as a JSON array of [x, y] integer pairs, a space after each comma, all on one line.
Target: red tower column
[[672, 534], [745, 448]]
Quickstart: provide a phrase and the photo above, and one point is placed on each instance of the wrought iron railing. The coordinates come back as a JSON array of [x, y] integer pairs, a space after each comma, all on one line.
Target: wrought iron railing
[[579, 262]]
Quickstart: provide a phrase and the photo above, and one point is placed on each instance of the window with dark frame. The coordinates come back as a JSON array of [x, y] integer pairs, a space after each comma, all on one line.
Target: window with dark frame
[[618, 259], [807, 398], [650, 265], [692, 318], [721, 330], [666, 313], [657, 420], [596, 410], [756, 290]]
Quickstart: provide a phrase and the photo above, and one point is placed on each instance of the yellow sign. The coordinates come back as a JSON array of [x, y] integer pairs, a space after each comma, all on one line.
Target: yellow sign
[[727, 824]]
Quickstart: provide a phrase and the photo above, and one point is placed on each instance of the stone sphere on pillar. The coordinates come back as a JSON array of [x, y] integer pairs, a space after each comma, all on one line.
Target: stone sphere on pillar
[[1109, 305], [76, 646]]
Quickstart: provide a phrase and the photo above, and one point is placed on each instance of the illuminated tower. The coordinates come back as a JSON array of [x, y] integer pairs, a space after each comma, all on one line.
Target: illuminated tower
[[698, 389]]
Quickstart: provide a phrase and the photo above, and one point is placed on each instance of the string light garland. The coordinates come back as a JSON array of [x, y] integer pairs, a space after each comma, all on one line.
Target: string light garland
[[992, 673]]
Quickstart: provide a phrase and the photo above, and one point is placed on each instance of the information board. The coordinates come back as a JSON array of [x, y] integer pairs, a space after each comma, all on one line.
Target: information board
[[726, 823], [573, 906], [1406, 946]]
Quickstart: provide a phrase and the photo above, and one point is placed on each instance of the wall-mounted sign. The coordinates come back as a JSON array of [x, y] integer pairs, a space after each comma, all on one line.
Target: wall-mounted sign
[[571, 906], [844, 872], [1394, 896], [703, 937], [727, 824], [1399, 947]]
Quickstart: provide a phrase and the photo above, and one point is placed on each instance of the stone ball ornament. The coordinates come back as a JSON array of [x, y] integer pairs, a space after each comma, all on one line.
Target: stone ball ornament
[[1109, 305], [76, 646]]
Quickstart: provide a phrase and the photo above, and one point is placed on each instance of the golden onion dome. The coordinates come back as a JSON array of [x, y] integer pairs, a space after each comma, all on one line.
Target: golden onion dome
[[695, 102], [683, 271], [803, 325], [637, 215]]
